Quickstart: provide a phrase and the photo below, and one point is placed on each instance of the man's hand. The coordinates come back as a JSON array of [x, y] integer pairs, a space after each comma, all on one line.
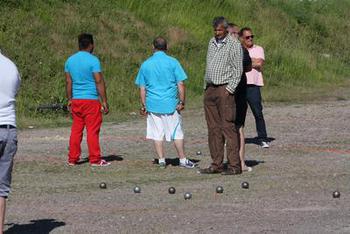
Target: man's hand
[[227, 93], [258, 63], [104, 108], [180, 106], [143, 111]]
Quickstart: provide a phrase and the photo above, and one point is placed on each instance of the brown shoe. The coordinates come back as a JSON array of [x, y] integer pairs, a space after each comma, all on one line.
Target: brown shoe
[[231, 172], [210, 170]]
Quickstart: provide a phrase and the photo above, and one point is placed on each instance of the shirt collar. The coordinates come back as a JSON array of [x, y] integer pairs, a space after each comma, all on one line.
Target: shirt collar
[[223, 41], [251, 47], [159, 52]]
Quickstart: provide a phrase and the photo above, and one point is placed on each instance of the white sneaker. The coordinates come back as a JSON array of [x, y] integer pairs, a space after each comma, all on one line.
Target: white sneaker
[[102, 163], [264, 145], [188, 164]]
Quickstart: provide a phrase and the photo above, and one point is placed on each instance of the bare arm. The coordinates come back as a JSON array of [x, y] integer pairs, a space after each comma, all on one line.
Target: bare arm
[[69, 90], [143, 110], [143, 96], [257, 63], [101, 88], [182, 96]]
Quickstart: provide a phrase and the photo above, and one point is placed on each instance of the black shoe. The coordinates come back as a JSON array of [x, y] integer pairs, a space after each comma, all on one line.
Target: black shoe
[[231, 172], [210, 170]]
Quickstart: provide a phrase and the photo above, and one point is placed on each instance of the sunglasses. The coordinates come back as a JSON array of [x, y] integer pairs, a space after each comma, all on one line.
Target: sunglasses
[[248, 37]]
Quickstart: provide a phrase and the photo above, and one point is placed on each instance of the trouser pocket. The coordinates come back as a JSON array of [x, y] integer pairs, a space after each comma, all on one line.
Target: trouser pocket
[[229, 108]]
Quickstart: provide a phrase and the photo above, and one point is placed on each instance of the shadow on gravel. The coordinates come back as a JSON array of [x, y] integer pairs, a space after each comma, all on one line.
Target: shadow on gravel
[[112, 157], [255, 141], [108, 158], [174, 161], [43, 226], [249, 163], [253, 163]]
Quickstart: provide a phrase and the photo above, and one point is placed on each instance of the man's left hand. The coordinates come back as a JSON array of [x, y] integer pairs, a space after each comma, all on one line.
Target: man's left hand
[[104, 108], [227, 93]]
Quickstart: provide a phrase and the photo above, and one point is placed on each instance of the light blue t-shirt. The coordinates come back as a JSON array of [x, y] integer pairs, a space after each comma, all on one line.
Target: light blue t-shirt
[[81, 67], [160, 75]]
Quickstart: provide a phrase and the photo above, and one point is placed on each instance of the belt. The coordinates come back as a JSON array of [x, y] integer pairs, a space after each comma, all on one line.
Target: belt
[[8, 126], [215, 85]]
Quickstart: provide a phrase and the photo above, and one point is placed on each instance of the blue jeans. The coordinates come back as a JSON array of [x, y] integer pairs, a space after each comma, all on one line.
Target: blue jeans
[[254, 101]]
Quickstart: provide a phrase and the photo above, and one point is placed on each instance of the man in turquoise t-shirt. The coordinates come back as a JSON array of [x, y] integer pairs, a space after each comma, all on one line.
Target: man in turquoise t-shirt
[[85, 86], [162, 92]]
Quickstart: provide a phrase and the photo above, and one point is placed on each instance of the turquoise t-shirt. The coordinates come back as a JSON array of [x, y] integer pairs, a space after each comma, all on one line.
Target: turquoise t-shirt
[[160, 75], [81, 67]]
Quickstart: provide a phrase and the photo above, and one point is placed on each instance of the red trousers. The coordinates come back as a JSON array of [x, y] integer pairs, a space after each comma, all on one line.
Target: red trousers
[[85, 113]]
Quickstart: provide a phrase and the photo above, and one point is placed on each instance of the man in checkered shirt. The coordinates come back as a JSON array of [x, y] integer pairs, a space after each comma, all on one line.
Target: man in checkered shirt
[[223, 73]]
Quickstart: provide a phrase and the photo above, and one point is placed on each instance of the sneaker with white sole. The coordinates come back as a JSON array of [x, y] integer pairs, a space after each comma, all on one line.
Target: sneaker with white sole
[[162, 165], [188, 164], [264, 145], [102, 163]]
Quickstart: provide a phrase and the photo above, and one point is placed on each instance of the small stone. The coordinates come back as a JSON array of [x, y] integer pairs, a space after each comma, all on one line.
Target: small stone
[[198, 153]]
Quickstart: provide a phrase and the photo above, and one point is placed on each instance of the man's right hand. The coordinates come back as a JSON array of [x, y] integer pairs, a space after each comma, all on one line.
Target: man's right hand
[[69, 106], [143, 111]]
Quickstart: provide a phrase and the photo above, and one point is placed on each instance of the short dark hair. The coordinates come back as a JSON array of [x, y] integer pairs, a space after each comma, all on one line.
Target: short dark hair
[[84, 40], [160, 43], [220, 20], [243, 30]]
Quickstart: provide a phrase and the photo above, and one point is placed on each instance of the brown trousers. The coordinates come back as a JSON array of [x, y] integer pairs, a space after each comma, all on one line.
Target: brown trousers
[[220, 113]]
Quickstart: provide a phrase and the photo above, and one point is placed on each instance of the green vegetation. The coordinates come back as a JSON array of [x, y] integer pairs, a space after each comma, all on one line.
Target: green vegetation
[[305, 41]]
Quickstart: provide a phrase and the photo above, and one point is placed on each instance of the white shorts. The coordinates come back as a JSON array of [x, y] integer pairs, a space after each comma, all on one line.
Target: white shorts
[[168, 125]]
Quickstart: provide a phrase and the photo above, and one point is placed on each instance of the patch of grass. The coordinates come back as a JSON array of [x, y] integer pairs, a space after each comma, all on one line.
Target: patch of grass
[[305, 44]]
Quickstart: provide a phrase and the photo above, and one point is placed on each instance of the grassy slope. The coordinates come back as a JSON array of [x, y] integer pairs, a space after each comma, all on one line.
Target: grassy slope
[[304, 41]]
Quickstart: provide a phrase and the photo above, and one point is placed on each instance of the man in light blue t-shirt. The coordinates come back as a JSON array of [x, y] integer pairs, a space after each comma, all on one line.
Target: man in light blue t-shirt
[[87, 98], [162, 92]]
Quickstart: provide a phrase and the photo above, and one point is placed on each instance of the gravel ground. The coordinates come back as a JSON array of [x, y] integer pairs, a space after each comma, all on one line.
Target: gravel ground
[[291, 184]]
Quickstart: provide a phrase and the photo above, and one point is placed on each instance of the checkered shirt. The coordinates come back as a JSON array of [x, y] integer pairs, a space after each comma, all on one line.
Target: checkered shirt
[[224, 63]]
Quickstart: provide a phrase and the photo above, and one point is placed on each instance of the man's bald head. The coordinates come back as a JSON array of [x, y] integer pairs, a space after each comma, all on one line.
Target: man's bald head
[[159, 43]]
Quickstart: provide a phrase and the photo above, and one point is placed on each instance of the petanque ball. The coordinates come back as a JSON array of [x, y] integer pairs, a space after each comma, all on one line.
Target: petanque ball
[[103, 185], [199, 152], [219, 189], [172, 190], [187, 196], [336, 194], [137, 189], [245, 185]]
